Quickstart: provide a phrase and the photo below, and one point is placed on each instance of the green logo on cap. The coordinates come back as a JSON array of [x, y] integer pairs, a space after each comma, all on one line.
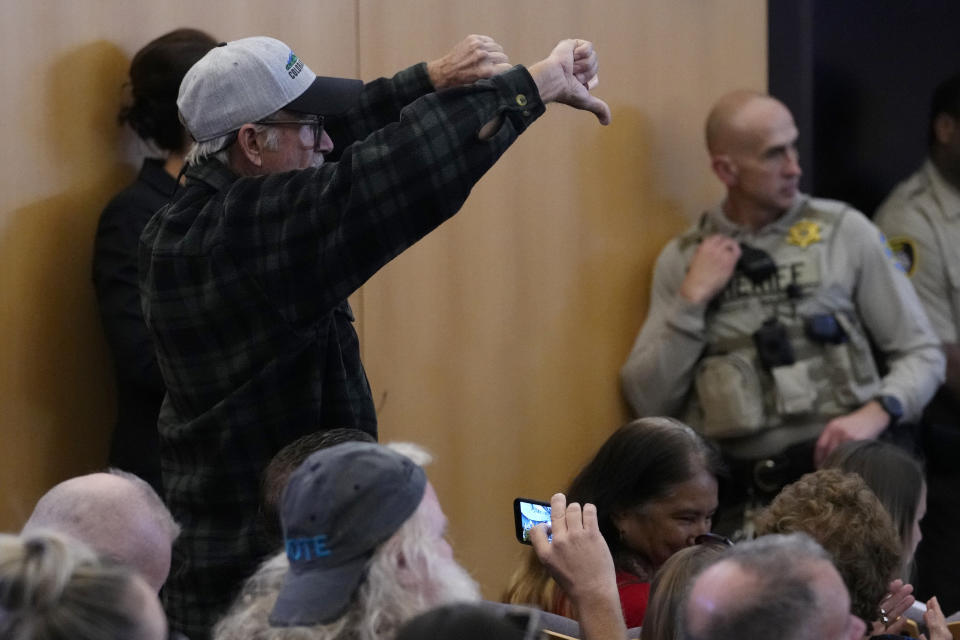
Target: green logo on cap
[[294, 65]]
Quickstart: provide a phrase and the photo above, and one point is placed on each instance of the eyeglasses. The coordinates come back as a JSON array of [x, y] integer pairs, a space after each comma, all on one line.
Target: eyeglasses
[[713, 538], [315, 123]]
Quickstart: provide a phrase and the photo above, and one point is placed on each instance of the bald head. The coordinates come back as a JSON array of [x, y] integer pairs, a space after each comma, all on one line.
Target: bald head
[[752, 140], [738, 119], [118, 515], [776, 586]]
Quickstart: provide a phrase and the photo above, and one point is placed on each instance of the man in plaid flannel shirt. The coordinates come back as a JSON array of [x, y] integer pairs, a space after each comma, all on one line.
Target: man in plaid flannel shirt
[[245, 274]]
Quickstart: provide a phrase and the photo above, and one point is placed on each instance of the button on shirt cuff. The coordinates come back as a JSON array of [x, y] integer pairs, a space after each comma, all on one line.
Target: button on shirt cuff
[[521, 99]]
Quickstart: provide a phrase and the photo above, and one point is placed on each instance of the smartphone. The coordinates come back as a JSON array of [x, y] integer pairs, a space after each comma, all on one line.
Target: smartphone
[[527, 514]]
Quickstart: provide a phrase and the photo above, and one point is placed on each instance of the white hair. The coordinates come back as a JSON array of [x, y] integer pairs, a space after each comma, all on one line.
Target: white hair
[[420, 456], [406, 576], [218, 148]]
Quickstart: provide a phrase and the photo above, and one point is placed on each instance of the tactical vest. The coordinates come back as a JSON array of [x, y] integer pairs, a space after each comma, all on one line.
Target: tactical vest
[[767, 365]]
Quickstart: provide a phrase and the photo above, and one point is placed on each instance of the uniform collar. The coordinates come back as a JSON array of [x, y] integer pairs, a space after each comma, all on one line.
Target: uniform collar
[[945, 193], [719, 222]]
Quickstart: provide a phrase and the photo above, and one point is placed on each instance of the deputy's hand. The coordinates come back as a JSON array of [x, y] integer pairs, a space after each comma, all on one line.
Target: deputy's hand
[[866, 423], [568, 74], [475, 57], [710, 270]]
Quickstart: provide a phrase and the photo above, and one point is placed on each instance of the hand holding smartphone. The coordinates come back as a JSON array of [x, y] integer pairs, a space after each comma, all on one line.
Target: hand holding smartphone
[[527, 514]]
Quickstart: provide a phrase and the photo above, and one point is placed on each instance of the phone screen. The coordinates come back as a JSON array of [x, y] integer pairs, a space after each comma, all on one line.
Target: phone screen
[[527, 514]]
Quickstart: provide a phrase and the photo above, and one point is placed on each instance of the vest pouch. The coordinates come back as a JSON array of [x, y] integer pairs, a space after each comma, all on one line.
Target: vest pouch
[[850, 387], [795, 392], [730, 396], [853, 371]]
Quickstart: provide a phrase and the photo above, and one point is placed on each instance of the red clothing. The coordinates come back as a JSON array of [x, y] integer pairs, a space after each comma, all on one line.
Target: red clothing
[[634, 595]]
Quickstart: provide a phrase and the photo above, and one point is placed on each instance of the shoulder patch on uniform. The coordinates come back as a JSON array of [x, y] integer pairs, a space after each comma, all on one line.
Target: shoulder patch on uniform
[[904, 249]]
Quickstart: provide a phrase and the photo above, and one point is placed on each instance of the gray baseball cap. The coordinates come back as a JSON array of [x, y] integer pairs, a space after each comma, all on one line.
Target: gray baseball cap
[[338, 507], [248, 79]]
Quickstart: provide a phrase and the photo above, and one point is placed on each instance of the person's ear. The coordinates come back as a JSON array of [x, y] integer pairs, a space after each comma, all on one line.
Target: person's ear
[[725, 168], [249, 145], [944, 128]]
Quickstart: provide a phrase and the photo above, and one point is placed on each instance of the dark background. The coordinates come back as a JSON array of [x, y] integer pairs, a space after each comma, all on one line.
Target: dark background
[[858, 76]]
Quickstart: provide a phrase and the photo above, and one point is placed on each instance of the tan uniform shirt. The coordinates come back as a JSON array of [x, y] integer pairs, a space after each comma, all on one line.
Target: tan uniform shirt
[[830, 260], [921, 218]]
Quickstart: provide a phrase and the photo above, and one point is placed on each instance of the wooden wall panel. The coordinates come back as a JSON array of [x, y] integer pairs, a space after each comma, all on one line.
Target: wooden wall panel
[[66, 61], [496, 341]]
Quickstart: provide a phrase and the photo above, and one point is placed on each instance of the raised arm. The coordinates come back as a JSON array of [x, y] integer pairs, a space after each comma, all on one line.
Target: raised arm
[[474, 58], [579, 560], [387, 190]]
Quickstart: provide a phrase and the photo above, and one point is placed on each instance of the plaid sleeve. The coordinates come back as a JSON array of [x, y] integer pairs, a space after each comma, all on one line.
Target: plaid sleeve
[[312, 237], [379, 104]]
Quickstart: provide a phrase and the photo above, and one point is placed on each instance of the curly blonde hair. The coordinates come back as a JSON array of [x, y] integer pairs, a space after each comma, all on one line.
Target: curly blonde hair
[[839, 511]]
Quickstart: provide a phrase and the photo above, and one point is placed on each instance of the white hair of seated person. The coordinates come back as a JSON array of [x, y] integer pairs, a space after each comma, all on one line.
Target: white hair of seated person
[[117, 514], [408, 574], [52, 587]]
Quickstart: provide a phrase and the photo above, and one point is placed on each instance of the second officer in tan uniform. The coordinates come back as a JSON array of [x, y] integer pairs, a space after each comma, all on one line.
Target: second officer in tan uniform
[[922, 220], [761, 315]]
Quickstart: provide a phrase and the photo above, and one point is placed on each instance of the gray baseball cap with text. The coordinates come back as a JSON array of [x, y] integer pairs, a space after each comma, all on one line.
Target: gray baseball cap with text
[[246, 80]]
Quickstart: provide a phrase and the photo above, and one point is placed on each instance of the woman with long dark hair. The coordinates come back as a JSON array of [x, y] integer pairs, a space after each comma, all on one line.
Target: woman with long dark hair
[[654, 483]]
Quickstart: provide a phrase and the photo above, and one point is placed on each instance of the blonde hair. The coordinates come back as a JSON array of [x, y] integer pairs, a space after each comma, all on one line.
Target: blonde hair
[[669, 590], [54, 588]]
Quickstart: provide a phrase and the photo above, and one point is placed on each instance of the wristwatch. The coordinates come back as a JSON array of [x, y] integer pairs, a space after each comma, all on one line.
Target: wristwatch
[[892, 406]]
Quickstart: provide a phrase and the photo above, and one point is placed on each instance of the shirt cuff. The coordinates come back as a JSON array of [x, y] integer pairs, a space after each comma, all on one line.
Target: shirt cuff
[[520, 98]]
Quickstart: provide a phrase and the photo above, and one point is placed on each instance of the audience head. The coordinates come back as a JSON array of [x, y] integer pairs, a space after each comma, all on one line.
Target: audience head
[[778, 586], [55, 588], [277, 473], [944, 132], [155, 75], [116, 514], [365, 550], [670, 587], [751, 138], [896, 478], [840, 512], [654, 483]]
